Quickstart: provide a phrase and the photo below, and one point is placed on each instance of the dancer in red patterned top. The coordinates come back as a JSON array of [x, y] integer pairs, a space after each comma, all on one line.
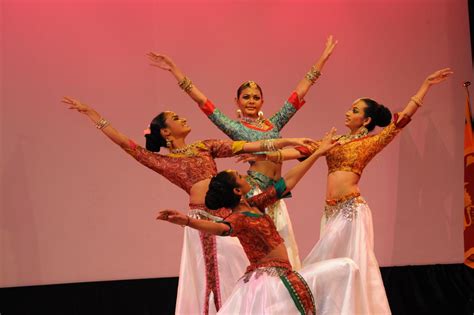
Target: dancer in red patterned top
[[211, 270], [269, 285]]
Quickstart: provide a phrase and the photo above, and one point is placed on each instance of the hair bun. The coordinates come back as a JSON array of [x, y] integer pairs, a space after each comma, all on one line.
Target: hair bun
[[383, 116], [221, 192], [213, 198], [152, 143]]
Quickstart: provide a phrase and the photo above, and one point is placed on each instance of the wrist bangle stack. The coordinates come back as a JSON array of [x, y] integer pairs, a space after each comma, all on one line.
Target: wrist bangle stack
[[313, 75], [268, 145], [186, 84], [275, 158], [417, 101], [279, 158], [102, 123]]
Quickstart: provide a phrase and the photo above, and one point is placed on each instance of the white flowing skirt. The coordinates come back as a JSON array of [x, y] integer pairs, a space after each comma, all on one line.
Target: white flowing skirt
[[207, 280], [335, 284], [348, 232]]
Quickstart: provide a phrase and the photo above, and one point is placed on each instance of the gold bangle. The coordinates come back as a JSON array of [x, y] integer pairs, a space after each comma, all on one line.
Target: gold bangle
[[418, 102], [279, 157], [313, 75], [267, 145], [186, 84], [102, 123]]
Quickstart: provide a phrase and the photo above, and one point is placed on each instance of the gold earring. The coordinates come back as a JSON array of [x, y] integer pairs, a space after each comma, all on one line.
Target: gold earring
[[239, 113], [168, 143], [363, 131]]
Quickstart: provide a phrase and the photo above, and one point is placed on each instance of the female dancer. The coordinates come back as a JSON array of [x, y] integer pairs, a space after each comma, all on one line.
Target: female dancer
[[251, 126], [207, 272], [346, 229], [270, 286]]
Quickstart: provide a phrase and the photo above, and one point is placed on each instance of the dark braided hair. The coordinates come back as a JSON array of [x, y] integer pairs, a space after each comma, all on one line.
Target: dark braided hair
[[221, 191], [154, 140], [381, 115], [248, 84]]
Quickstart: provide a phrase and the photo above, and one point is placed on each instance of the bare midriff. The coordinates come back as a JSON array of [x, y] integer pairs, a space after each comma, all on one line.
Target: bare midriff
[[267, 168], [197, 194], [342, 183], [278, 252]]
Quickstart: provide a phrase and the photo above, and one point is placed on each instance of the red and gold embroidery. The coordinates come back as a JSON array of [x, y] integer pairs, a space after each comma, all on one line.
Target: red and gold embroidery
[[355, 155], [182, 170]]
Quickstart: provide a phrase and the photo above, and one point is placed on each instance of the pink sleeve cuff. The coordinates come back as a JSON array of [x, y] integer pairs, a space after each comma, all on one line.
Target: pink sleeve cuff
[[295, 101], [208, 108]]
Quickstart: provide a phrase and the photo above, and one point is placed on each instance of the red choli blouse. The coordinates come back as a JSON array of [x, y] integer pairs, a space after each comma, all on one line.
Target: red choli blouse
[[257, 232], [183, 170]]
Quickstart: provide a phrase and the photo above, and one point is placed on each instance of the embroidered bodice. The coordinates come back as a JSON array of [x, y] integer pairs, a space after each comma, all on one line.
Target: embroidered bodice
[[241, 130], [257, 232], [354, 156], [184, 170]]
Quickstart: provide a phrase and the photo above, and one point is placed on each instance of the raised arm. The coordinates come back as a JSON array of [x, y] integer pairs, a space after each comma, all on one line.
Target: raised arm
[[158, 163], [102, 124], [305, 84], [179, 218], [229, 126], [417, 100], [294, 175], [166, 63], [295, 101], [282, 187]]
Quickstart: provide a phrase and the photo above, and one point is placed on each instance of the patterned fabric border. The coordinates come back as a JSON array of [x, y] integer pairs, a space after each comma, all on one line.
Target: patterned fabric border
[[208, 242], [299, 292]]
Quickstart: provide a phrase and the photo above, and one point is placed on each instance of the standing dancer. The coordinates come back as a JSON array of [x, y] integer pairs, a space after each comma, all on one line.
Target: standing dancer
[[252, 126], [346, 229], [269, 285], [210, 271]]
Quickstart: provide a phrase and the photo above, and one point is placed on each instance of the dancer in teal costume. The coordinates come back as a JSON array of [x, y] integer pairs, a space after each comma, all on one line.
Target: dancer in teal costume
[[252, 126]]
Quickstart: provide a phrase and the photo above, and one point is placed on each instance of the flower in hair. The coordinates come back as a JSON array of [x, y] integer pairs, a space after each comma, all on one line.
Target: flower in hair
[[147, 131]]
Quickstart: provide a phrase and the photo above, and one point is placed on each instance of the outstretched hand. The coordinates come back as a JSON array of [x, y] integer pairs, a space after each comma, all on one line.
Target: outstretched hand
[[439, 76], [247, 157], [161, 61], [331, 43], [75, 104], [173, 216], [302, 141], [327, 143]]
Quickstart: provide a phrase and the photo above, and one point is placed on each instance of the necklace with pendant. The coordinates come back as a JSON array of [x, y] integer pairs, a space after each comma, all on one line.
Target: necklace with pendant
[[362, 132]]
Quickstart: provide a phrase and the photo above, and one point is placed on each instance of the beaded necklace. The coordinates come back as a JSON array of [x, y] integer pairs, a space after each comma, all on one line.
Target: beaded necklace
[[188, 150], [256, 122], [362, 132]]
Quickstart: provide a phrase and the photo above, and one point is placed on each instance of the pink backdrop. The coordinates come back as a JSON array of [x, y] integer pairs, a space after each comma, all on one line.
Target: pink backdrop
[[76, 208]]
